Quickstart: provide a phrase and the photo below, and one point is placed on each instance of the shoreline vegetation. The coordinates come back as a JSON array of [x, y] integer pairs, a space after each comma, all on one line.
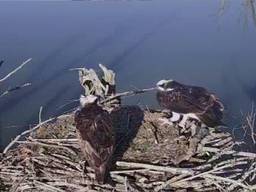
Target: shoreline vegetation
[[150, 154]]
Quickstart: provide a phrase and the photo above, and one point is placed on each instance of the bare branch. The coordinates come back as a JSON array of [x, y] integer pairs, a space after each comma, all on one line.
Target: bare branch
[[155, 167], [29, 131], [40, 115], [127, 93], [14, 89], [236, 153], [15, 70]]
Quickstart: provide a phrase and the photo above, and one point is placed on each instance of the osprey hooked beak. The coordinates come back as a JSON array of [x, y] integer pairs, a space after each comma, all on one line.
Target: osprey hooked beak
[[164, 85], [90, 99]]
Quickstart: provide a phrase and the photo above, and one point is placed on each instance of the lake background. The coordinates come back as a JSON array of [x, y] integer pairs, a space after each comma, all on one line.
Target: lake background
[[205, 43]]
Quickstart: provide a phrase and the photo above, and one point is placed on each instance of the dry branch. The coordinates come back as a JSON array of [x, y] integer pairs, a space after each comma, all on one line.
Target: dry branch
[[127, 93], [15, 70], [233, 152], [29, 131], [250, 123], [155, 167], [14, 89]]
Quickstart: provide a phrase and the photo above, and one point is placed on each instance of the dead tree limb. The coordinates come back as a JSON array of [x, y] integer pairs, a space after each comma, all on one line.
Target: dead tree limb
[[15, 70]]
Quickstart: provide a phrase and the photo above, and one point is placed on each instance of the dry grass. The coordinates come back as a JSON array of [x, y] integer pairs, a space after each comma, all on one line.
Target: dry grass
[[249, 125]]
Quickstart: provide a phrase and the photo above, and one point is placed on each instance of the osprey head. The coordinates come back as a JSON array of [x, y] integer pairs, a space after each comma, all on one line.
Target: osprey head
[[87, 100], [165, 85]]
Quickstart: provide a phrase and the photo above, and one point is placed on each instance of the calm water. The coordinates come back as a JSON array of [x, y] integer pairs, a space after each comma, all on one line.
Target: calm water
[[195, 42]]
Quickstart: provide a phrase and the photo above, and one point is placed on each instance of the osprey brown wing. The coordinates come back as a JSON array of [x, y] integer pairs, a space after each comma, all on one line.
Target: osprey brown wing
[[184, 99], [213, 113], [191, 99], [94, 127]]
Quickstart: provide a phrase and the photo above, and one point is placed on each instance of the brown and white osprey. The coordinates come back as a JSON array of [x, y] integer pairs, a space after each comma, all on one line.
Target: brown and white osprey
[[186, 99], [95, 130]]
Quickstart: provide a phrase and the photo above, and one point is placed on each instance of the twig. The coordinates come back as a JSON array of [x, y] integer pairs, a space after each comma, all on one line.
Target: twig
[[66, 184], [201, 174], [250, 119], [77, 69], [15, 70], [125, 184], [129, 171], [48, 187], [235, 182], [25, 133], [216, 150], [68, 103], [17, 184], [29, 131], [56, 140], [156, 167], [40, 115], [127, 93], [46, 145]]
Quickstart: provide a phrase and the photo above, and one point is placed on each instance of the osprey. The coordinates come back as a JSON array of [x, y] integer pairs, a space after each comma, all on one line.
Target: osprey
[[95, 131], [195, 101]]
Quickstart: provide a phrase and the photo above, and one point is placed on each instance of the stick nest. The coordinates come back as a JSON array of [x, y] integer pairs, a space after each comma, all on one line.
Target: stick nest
[[150, 155]]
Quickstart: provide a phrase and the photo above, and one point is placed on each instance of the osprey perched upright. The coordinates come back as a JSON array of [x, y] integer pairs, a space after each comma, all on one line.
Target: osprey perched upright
[[186, 99], [95, 130]]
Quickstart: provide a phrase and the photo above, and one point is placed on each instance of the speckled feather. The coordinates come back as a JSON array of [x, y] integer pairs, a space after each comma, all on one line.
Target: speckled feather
[[191, 99], [95, 130]]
